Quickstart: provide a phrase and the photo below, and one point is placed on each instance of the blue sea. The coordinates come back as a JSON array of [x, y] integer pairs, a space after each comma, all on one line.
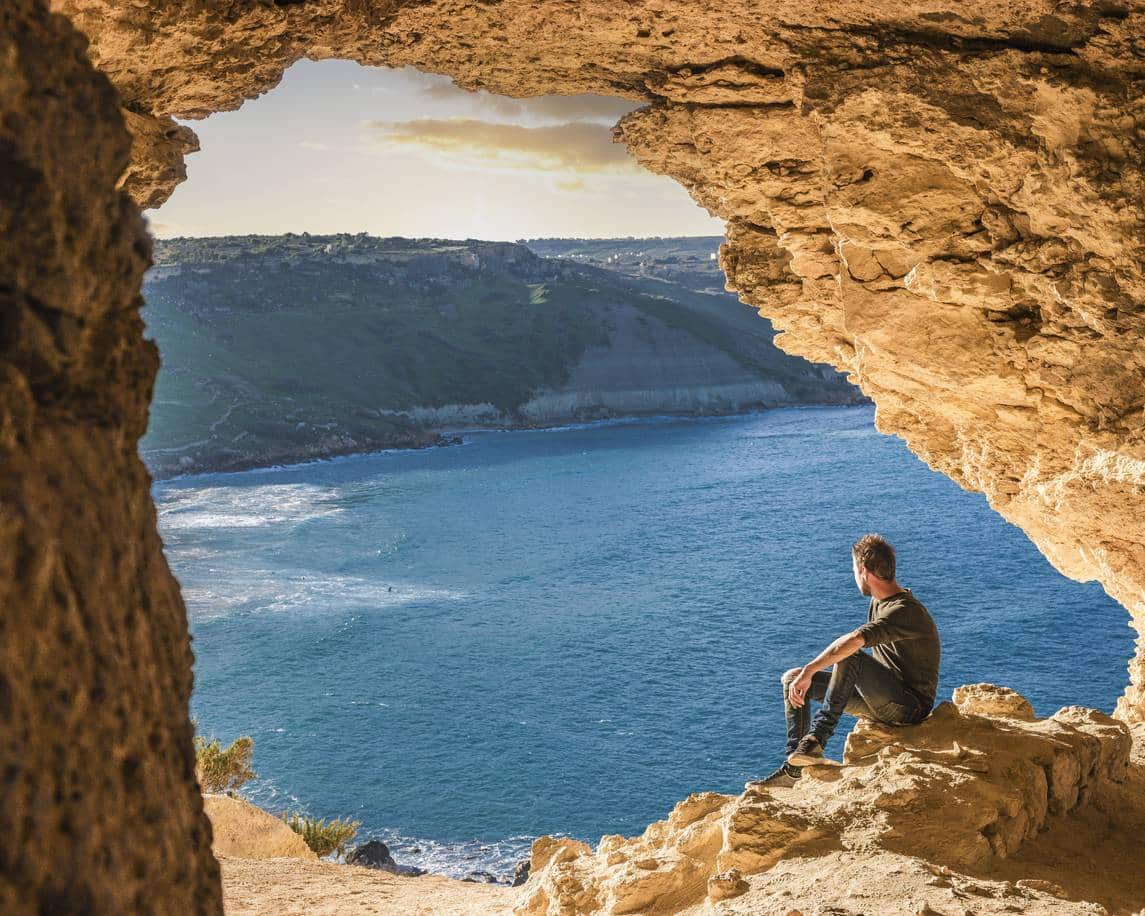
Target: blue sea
[[569, 631]]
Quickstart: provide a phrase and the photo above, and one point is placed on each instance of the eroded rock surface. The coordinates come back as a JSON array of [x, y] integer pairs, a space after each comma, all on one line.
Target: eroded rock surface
[[943, 200], [965, 789], [100, 809]]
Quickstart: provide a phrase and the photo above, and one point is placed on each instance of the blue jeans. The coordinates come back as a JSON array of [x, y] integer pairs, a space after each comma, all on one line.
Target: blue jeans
[[859, 685]]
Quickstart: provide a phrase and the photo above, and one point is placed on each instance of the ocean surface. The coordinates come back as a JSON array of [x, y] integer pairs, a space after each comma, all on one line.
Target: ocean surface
[[569, 631]]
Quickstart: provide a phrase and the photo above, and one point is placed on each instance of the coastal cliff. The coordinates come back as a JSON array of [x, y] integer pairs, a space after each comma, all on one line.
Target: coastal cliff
[[983, 808], [405, 340]]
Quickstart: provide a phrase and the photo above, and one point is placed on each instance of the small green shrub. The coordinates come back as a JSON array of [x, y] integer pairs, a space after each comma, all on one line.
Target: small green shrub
[[223, 770], [324, 837]]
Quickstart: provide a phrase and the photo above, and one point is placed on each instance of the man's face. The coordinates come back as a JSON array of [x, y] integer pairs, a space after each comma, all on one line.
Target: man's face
[[860, 577]]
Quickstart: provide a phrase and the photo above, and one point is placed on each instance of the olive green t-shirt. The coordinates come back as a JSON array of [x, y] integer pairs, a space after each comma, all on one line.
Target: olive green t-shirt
[[901, 634]]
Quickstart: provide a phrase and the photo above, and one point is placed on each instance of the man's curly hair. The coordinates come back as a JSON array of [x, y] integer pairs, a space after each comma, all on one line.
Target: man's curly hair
[[873, 552]]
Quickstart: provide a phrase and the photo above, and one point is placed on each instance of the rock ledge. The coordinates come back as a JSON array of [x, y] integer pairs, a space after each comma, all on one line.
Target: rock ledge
[[967, 787]]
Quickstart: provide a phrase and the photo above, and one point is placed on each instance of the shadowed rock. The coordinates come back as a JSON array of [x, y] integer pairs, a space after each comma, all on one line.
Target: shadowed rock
[[375, 854]]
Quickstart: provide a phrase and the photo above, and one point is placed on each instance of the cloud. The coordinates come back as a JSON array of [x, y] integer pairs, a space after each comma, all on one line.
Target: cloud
[[576, 146], [579, 107], [162, 229], [562, 108], [495, 104]]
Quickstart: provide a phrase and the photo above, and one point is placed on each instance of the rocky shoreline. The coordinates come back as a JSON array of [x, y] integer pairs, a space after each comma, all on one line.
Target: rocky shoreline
[[241, 829], [405, 339], [438, 438]]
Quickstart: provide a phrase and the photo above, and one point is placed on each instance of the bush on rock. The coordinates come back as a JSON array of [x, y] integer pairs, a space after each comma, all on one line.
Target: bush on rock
[[322, 836], [222, 769]]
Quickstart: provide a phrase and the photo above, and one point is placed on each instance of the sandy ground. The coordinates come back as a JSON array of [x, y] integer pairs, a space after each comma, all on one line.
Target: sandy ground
[[241, 829], [293, 887]]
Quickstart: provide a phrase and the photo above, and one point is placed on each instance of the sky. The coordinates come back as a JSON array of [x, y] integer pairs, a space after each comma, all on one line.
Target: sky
[[337, 147]]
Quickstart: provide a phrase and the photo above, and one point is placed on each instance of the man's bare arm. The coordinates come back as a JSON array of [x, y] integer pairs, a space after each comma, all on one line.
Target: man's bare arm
[[846, 645]]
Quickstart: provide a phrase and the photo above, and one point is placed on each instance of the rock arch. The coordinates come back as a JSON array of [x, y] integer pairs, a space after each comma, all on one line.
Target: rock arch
[[944, 200]]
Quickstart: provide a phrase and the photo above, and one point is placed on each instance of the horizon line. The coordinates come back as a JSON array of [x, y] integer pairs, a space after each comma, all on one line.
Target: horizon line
[[430, 238]]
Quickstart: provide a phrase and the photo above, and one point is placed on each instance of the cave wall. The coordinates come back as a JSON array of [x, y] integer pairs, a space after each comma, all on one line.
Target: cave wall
[[944, 200], [100, 809]]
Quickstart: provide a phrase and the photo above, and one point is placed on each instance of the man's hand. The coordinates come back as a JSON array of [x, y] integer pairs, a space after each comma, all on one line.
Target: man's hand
[[797, 689], [847, 644]]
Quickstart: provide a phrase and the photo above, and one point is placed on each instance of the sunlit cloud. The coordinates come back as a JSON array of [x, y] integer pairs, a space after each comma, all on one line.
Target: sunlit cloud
[[542, 166], [577, 146], [579, 107]]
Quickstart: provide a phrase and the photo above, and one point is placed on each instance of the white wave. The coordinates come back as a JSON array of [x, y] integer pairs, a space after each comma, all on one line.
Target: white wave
[[275, 592], [456, 860], [205, 601], [245, 507]]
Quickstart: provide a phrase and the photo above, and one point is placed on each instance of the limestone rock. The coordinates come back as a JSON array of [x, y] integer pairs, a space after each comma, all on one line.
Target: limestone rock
[[989, 700], [944, 200], [101, 811], [961, 789], [726, 885], [245, 831], [158, 146]]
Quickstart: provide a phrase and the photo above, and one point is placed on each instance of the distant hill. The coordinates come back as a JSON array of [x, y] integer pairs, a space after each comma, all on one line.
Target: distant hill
[[689, 261], [285, 348]]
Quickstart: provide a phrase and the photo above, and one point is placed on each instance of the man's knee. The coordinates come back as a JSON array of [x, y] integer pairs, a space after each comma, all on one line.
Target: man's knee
[[788, 676]]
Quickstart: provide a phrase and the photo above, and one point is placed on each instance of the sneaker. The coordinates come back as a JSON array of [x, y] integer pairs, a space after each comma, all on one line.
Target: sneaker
[[808, 752], [783, 778]]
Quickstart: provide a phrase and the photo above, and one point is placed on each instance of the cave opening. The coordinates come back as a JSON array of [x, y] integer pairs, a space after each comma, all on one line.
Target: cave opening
[[886, 231], [294, 571]]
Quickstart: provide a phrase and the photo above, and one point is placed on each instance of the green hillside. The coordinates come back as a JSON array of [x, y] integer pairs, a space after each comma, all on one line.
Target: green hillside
[[285, 348]]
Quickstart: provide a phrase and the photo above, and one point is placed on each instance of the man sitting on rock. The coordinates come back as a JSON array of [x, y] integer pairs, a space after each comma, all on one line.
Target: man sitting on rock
[[894, 684]]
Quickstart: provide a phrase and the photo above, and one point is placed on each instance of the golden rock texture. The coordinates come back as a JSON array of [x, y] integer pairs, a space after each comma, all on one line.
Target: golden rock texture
[[100, 810], [944, 200], [963, 791], [158, 146]]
